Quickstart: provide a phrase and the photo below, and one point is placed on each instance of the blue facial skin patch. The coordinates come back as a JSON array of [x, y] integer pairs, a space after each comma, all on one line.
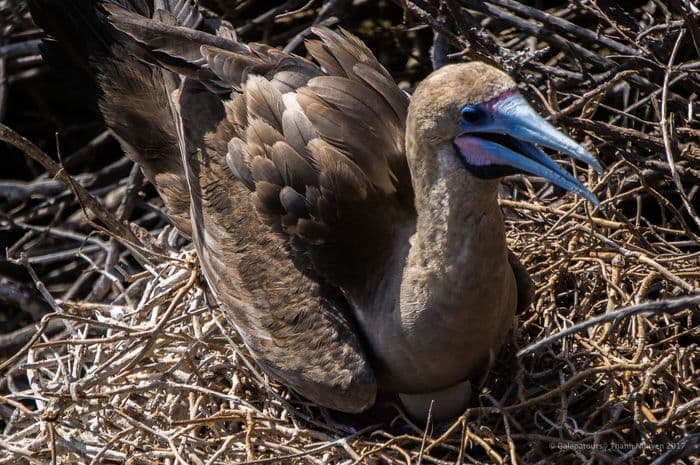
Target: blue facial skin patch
[[498, 138]]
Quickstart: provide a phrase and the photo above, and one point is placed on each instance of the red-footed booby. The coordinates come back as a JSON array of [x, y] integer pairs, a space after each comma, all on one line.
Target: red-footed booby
[[352, 234]]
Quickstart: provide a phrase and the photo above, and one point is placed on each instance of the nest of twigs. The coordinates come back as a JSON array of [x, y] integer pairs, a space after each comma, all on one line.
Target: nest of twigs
[[113, 350]]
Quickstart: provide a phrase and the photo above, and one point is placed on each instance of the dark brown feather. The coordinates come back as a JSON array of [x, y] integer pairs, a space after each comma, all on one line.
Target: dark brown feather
[[298, 130], [296, 171], [236, 161], [185, 138], [264, 101], [185, 13], [264, 170], [293, 202]]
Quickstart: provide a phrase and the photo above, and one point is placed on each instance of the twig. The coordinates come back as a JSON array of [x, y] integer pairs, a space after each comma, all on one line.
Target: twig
[[36, 154], [661, 306], [18, 338], [665, 125], [562, 25]]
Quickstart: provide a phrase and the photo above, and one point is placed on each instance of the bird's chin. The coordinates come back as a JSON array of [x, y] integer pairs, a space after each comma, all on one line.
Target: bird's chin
[[489, 171]]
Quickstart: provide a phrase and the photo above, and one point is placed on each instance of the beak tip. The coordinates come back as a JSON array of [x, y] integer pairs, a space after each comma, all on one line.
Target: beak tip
[[591, 197], [591, 160], [597, 167]]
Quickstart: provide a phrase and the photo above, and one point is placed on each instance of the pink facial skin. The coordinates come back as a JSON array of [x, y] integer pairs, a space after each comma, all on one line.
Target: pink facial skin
[[491, 105], [472, 152]]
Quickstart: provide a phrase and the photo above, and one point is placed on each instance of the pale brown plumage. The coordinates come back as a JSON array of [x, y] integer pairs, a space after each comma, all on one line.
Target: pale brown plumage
[[337, 247]]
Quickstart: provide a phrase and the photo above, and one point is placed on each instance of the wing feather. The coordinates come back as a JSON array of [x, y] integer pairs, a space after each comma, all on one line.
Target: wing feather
[[264, 101], [236, 161], [298, 130], [261, 134], [264, 170], [229, 67], [295, 170], [329, 64], [397, 100], [185, 12], [294, 203], [297, 183]]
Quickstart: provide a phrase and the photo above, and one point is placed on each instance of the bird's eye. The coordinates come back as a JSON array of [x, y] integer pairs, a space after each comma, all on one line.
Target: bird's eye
[[471, 114]]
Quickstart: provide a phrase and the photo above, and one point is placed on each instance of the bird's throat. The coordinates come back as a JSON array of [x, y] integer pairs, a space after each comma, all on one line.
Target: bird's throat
[[457, 294], [459, 241]]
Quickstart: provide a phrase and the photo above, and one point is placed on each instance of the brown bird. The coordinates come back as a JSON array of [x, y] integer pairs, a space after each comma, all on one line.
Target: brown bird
[[352, 234]]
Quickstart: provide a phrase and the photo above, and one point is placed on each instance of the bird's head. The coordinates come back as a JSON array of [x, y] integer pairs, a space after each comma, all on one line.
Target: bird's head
[[477, 111]]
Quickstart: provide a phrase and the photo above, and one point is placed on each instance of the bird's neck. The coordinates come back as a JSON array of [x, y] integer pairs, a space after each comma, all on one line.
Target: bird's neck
[[457, 292], [460, 234]]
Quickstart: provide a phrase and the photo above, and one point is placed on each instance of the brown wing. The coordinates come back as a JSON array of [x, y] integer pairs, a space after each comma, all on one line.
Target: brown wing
[[526, 288], [177, 129], [328, 163], [322, 148], [296, 326]]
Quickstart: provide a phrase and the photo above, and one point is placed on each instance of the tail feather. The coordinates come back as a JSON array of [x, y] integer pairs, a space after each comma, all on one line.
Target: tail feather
[[134, 97]]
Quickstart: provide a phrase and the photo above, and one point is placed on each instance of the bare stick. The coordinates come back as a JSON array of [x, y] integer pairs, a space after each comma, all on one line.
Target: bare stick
[[38, 155], [661, 306]]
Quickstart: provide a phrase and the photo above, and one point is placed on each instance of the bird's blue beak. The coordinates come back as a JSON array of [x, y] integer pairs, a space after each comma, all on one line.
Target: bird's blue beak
[[504, 131]]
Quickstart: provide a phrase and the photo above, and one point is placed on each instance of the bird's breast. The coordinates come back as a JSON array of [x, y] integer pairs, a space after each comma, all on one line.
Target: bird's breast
[[437, 322]]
